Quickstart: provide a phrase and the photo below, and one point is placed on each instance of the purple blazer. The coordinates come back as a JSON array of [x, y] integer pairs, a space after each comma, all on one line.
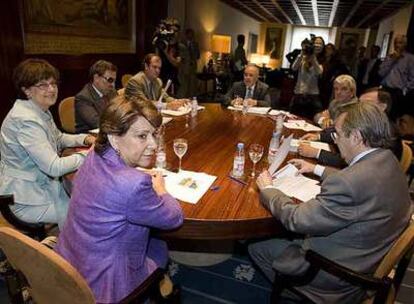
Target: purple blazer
[[106, 236]]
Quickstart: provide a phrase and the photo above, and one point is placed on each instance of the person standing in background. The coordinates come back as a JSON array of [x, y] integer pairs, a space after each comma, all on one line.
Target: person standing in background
[[187, 71], [239, 59]]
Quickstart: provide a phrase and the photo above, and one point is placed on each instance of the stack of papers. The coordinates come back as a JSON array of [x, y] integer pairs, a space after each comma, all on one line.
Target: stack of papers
[[301, 125], [181, 111], [294, 144], [251, 110], [280, 155], [188, 186], [280, 112], [295, 185]]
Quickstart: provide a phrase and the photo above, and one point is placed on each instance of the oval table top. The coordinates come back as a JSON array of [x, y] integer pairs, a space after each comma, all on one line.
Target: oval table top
[[229, 209]]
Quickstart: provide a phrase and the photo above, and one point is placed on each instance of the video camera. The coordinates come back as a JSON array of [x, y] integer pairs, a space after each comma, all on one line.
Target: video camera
[[308, 46], [165, 33]]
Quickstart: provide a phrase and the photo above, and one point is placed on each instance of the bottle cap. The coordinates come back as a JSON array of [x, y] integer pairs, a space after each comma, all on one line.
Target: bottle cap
[[240, 145]]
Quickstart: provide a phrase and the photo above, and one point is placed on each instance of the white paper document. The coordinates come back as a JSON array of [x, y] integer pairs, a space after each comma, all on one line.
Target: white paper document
[[290, 183], [301, 125], [166, 120], [188, 186], [280, 112], [294, 144], [180, 112], [280, 155], [251, 110]]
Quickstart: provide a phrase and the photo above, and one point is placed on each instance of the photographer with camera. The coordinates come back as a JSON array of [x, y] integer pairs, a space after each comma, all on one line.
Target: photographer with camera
[[167, 48], [306, 101]]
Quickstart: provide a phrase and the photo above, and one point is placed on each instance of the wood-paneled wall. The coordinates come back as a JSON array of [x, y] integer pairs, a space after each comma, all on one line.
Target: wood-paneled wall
[[73, 68]]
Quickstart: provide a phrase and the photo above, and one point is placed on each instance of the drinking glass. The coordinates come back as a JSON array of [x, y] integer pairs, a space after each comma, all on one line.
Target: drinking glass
[[180, 148], [255, 154]]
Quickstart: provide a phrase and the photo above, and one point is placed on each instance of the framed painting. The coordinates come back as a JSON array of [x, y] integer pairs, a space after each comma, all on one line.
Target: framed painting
[[55, 26], [273, 42], [252, 44]]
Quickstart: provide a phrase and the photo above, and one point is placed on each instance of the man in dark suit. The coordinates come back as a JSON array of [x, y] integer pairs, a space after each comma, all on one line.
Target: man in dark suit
[[255, 91], [360, 211], [368, 71], [95, 95]]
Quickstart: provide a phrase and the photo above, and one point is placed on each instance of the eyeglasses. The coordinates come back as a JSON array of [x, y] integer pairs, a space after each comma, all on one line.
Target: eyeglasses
[[108, 79], [44, 86]]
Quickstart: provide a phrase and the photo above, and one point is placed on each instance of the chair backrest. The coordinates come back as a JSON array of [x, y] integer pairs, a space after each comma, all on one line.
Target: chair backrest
[[51, 279], [125, 78], [406, 157], [34, 230], [67, 114], [399, 256]]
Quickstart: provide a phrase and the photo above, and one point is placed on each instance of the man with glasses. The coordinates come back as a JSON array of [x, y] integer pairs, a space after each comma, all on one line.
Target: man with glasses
[[95, 95], [146, 85], [360, 211], [251, 89]]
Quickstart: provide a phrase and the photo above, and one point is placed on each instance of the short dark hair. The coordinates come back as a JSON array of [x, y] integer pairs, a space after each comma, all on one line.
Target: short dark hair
[[31, 71], [120, 114], [148, 58], [241, 38], [100, 66], [383, 97]]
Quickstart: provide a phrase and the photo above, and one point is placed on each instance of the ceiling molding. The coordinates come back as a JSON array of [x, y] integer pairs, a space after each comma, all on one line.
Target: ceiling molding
[[298, 12], [267, 11], [333, 12], [352, 12], [372, 13], [315, 12], [282, 11], [252, 11]]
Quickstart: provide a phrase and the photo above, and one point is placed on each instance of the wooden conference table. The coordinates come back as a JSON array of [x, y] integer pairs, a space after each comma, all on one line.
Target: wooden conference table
[[229, 210]]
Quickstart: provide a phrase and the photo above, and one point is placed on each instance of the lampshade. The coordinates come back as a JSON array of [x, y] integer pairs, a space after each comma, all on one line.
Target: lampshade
[[221, 44], [259, 59]]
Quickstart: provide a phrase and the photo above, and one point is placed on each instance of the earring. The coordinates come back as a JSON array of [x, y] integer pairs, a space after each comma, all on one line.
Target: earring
[[117, 152]]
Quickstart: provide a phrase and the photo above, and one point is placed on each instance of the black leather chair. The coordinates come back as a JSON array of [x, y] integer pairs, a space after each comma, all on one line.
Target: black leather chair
[[36, 231]]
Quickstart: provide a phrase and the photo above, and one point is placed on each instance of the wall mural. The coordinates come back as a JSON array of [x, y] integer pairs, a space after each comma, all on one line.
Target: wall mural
[[81, 26]]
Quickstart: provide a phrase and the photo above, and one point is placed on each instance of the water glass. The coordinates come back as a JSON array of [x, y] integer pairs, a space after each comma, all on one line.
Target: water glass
[[180, 148], [255, 154]]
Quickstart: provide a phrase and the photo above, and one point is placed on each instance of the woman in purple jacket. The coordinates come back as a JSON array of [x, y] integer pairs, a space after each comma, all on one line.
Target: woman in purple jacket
[[113, 206]]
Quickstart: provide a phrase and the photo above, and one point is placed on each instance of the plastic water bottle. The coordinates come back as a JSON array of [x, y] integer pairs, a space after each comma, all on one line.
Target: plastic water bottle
[[161, 156], [194, 107], [245, 106], [273, 146], [158, 104], [238, 163]]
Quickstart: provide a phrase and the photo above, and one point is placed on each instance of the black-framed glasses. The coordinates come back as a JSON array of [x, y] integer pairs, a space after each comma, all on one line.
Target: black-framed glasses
[[108, 79], [44, 86]]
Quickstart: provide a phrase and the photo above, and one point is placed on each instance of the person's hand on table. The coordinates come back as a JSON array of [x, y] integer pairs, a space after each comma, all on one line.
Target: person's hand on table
[[310, 136], [175, 104], [238, 101], [307, 150], [158, 182], [89, 140], [252, 102], [302, 165], [264, 179]]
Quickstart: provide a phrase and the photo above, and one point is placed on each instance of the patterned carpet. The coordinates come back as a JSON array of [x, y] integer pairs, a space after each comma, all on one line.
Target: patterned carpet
[[233, 281]]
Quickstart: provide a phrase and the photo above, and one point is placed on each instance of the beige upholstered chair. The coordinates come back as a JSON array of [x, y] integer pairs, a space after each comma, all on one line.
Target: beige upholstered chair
[[384, 283], [125, 78], [67, 114], [51, 279]]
